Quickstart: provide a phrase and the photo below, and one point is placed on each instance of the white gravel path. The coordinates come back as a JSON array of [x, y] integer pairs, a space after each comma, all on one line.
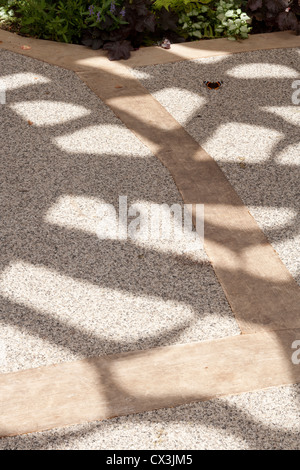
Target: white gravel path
[[65, 293], [250, 126]]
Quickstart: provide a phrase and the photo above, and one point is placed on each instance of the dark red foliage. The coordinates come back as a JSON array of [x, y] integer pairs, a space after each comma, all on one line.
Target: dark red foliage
[[274, 15]]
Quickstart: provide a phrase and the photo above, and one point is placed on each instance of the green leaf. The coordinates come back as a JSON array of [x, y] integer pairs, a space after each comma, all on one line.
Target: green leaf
[[244, 29], [197, 34], [28, 21]]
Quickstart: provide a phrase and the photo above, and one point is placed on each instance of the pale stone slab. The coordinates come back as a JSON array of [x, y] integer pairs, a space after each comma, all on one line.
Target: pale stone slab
[[79, 58], [105, 387]]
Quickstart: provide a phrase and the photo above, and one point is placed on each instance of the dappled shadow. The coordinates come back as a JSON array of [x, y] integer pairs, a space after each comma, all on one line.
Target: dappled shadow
[[225, 417], [37, 171]]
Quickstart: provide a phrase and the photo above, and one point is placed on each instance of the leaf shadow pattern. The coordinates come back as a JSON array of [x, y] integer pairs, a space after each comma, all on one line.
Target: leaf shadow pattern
[[45, 243]]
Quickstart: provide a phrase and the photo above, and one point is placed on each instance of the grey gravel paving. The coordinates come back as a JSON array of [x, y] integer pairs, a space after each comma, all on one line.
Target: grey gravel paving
[[55, 173], [65, 293], [250, 126], [265, 420]]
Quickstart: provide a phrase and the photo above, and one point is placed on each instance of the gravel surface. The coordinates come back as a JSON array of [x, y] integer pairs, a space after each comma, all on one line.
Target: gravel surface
[[250, 126], [69, 288], [66, 294], [265, 420]]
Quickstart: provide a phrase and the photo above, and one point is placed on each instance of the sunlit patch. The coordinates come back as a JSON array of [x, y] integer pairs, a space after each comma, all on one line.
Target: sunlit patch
[[179, 51], [103, 220], [109, 312], [237, 142], [284, 248], [76, 212], [141, 75], [94, 61], [262, 70], [212, 59], [290, 156], [18, 80], [171, 97], [105, 138], [49, 113], [290, 114], [273, 217]]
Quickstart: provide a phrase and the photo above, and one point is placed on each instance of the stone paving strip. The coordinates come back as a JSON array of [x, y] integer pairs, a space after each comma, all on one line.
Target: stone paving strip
[[109, 386], [264, 420]]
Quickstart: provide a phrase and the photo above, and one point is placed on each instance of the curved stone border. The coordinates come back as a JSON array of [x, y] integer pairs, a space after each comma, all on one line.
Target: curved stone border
[[262, 293]]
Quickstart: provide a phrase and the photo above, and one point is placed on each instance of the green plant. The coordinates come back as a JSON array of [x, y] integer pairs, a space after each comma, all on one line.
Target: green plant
[[198, 23], [119, 26], [108, 16], [7, 15], [221, 18], [57, 20], [180, 5], [233, 22]]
